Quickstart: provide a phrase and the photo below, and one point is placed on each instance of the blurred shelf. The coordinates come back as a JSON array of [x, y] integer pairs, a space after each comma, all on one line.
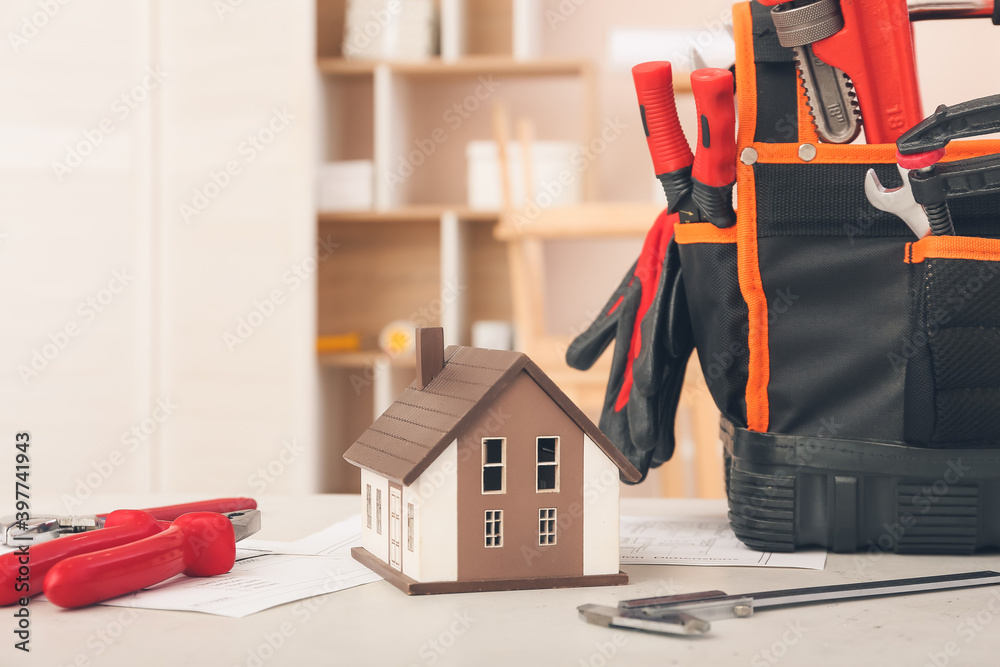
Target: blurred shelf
[[595, 219], [409, 214], [362, 360], [468, 66]]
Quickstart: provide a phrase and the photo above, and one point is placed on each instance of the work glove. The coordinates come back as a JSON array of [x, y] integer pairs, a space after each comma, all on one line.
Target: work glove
[[648, 319]]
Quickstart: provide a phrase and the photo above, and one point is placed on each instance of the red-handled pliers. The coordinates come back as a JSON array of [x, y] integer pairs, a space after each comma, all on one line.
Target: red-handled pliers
[[22, 574], [199, 544]]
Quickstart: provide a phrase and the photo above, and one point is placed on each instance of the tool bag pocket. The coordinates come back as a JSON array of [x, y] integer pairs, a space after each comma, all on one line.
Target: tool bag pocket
[[952, 394], [718, 313]]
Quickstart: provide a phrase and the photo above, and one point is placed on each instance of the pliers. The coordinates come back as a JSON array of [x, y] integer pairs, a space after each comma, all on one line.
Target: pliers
[[132, 551], [15, 531]]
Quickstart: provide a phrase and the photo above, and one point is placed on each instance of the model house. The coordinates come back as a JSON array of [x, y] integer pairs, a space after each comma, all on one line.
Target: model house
[[483, 475]]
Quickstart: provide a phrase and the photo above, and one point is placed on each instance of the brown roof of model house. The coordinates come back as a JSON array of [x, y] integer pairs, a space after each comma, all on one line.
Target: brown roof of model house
[[416, 428]]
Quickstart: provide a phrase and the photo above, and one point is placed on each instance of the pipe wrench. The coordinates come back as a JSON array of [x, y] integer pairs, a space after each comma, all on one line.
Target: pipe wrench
[[861, 48]]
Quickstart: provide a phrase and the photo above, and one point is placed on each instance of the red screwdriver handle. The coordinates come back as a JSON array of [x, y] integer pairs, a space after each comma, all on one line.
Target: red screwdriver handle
[[715, 158], [654, 86], [121, 527], [220, 505], [714, 172], [199, 544]]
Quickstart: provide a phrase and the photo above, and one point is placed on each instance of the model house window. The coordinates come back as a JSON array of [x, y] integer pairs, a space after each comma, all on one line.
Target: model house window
[[546, 526], [548, 463], [368, 503], [494, 450], [409, 526], [494, 528], [378, 511]]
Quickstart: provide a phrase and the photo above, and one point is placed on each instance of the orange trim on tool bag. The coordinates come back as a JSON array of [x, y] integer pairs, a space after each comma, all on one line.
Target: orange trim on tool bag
[[746, 75], [751, 286], [865, 153], [703, 232], [953, 247], [828, 154]]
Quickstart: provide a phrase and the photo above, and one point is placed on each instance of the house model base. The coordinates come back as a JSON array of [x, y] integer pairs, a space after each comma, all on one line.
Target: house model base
[[411, 587]]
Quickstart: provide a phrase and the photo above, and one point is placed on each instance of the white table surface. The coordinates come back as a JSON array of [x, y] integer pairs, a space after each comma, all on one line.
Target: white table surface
[[376, 624]]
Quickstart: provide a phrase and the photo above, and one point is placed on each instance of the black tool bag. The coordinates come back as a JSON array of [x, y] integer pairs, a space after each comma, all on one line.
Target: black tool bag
[[857, 369]]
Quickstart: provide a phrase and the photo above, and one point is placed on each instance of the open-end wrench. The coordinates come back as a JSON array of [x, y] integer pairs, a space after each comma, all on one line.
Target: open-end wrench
[[898, 201], [922, 202], [874, 48]]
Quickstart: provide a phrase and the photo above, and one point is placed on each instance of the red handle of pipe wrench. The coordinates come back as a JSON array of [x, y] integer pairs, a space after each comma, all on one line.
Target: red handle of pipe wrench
[[198, 544], [715, 155], [121, 527], [654, 86], [220, 505]]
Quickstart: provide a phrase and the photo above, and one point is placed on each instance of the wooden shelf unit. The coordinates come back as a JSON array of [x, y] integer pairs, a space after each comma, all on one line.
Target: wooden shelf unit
[[414, 257], [468, 66], [361, 359], [409, 214]]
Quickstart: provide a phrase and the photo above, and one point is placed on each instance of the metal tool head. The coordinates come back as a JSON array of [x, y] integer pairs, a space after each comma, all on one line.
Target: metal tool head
[[667, 623], [245, 523], [898, 201], [697, 59], [43, 528]]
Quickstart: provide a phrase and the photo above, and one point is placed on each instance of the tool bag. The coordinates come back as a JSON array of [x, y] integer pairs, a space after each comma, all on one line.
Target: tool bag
[[857, 369]]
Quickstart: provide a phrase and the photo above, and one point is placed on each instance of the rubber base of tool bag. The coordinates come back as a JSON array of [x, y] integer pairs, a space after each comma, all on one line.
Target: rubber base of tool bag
[[790, 492]]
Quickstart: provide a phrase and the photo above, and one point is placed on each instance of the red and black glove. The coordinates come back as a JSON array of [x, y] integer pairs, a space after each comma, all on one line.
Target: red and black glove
[[648, 319]]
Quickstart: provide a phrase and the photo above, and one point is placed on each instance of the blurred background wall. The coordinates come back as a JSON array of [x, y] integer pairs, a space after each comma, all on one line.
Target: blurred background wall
[[156, 182], [158, 312]]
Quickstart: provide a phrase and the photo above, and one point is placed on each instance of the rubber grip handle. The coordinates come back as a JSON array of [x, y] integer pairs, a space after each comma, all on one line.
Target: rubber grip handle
[[715, 156], [200, 544], [220, 505], [654, 87], [121, 527]]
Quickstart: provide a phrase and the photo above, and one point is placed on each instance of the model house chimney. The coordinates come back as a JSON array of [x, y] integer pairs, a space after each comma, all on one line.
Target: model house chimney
[[430, 354]]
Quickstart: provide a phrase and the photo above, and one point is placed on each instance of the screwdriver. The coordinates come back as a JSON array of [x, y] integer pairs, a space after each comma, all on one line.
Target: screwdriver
[[714, 172]]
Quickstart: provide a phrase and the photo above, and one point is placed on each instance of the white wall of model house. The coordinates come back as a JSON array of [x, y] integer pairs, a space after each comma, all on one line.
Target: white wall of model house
[[156, 246], [375, 515], [600, 511], [434, 496]]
